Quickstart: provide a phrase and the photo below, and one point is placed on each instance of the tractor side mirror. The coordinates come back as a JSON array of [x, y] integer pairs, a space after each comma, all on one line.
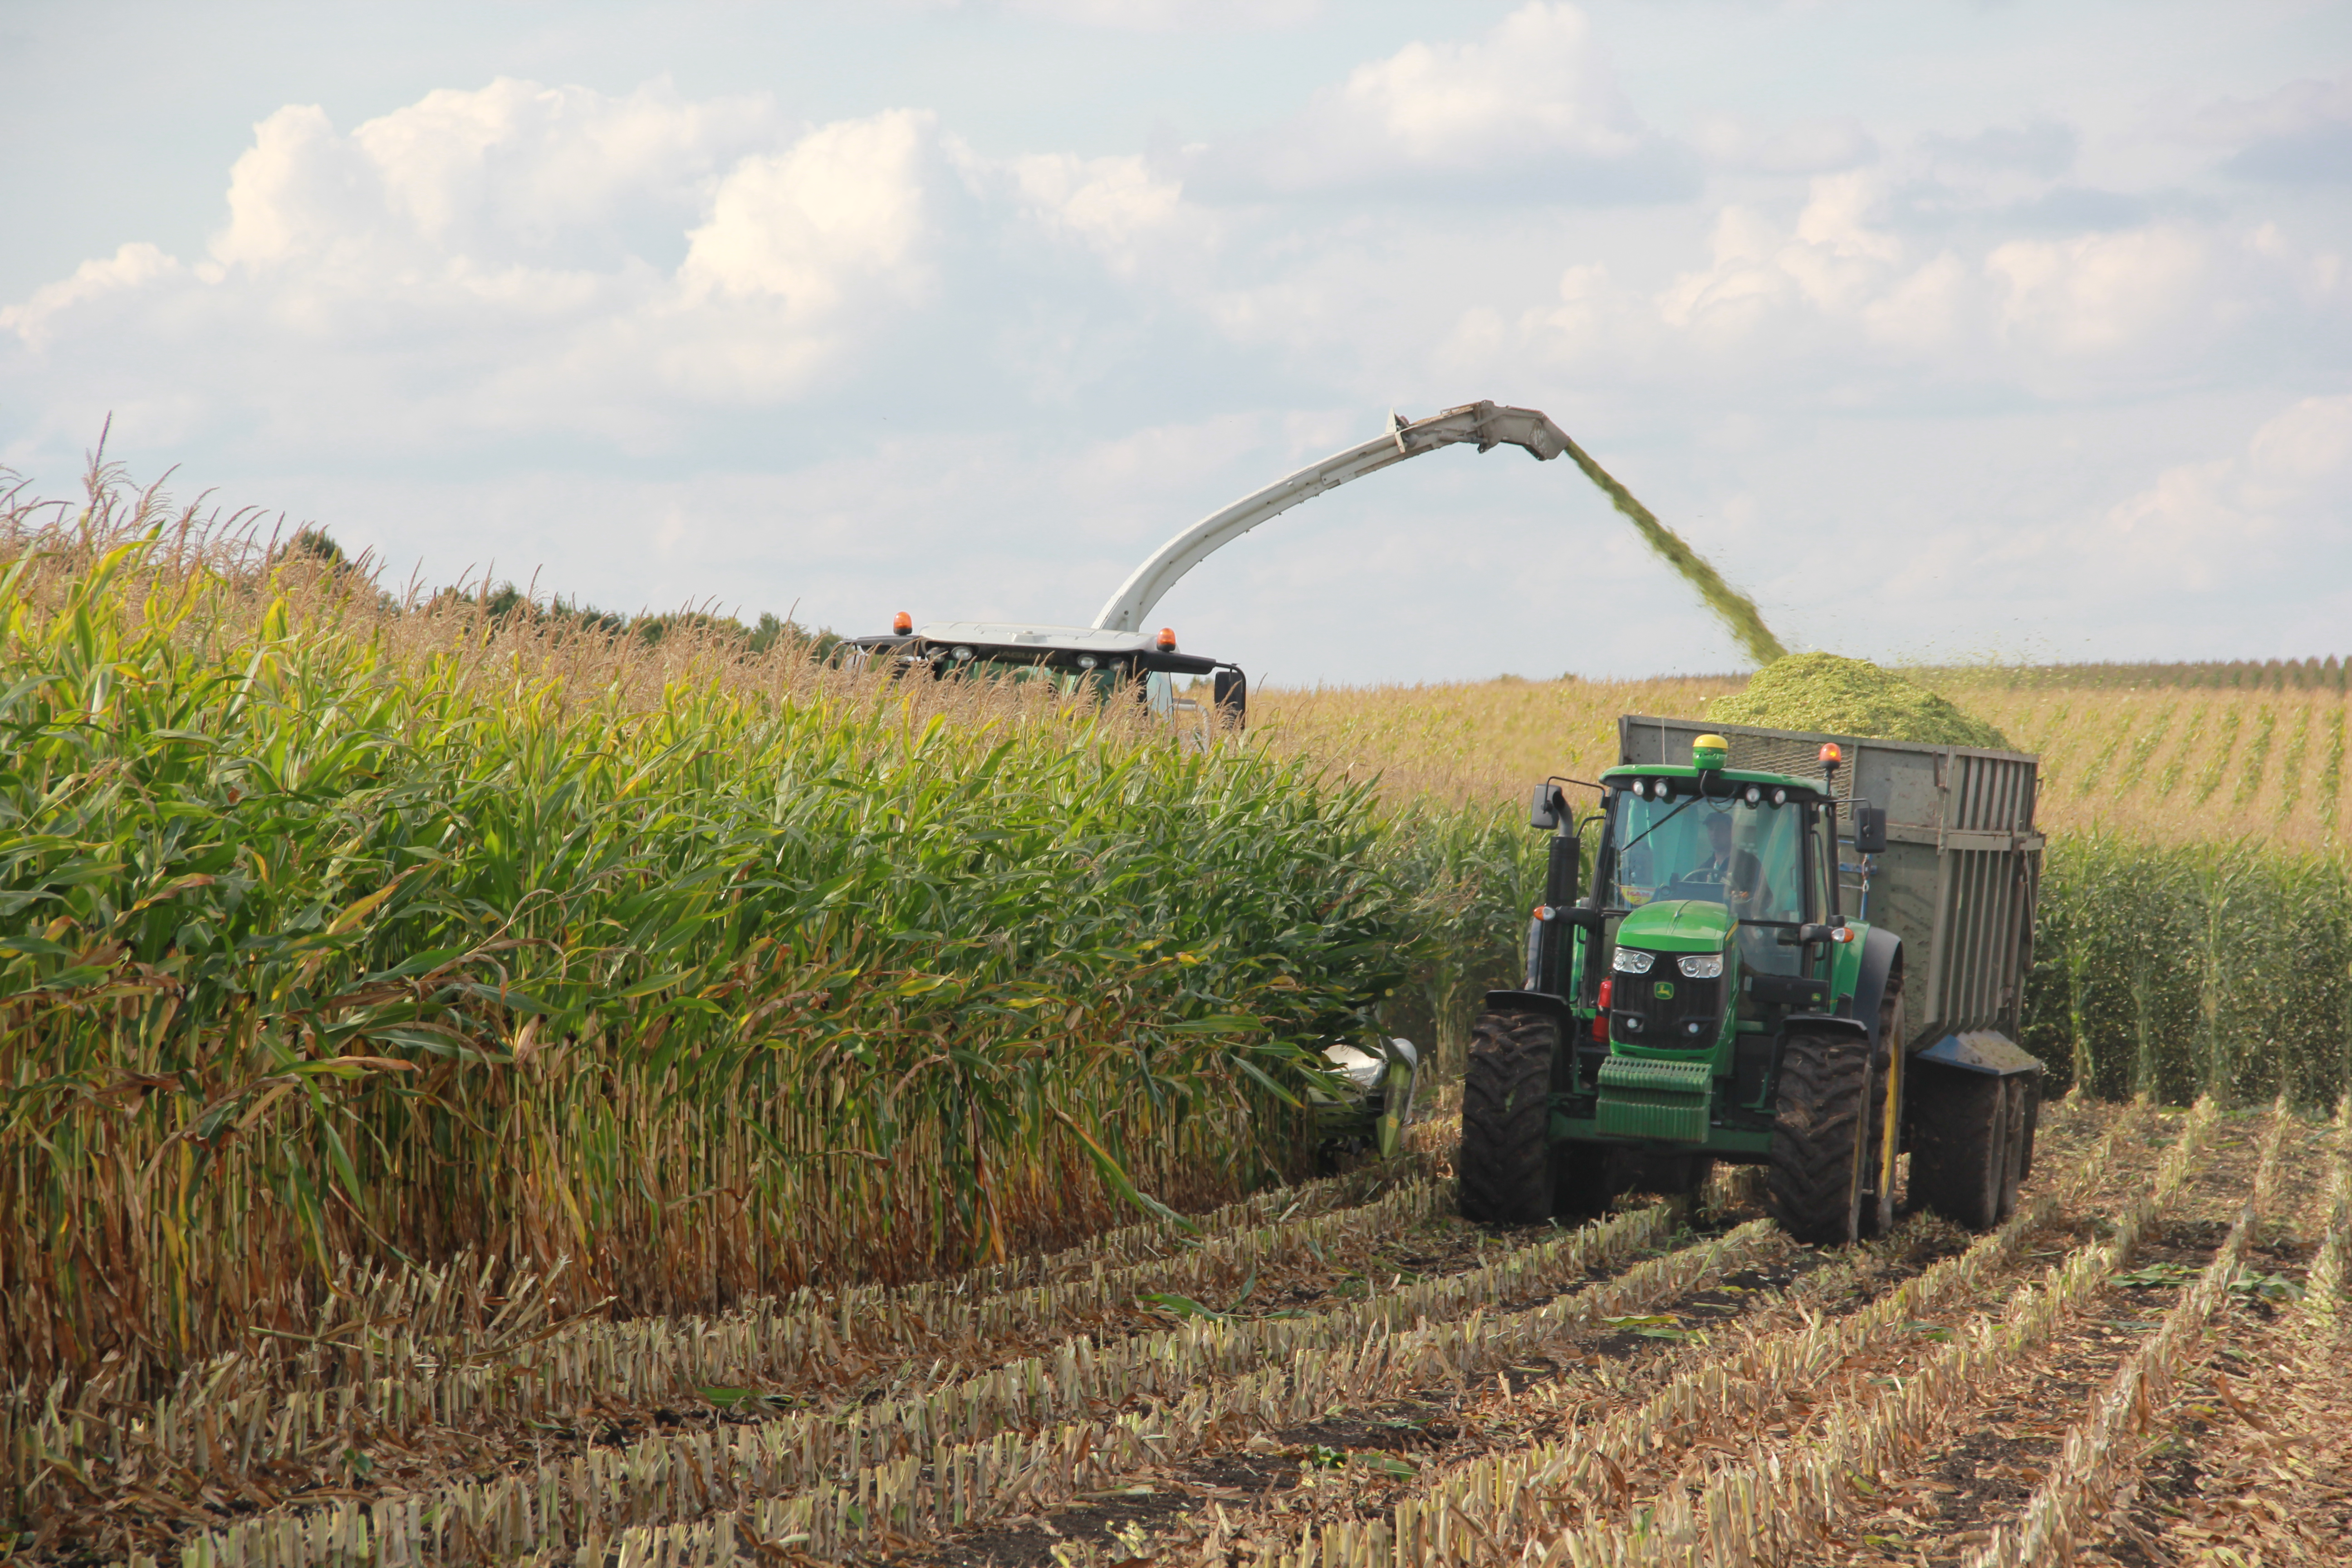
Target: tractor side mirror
[[1550, 803], [1229, 688], [1870, 829]]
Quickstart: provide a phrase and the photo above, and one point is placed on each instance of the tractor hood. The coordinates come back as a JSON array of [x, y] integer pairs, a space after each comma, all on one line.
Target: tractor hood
[[1676, 925]]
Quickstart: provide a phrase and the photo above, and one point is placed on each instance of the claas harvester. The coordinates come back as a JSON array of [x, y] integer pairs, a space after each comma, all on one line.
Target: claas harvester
[[1804, 952]]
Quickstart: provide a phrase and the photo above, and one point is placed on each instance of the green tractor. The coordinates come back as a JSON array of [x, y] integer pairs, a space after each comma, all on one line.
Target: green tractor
[[1722, 992]]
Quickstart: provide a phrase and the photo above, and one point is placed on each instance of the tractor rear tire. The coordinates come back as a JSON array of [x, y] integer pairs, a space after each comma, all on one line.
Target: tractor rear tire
[[1822, 1108], [1969, 1144], [1505, 1169]]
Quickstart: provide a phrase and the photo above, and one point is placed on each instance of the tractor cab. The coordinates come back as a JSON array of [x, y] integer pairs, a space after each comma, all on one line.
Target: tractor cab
[[1717, 920], [1740, 848], [1692, 996], [1074, 659]]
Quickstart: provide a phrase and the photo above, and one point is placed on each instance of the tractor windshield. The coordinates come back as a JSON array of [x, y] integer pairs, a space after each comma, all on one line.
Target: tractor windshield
[[1746, 857]]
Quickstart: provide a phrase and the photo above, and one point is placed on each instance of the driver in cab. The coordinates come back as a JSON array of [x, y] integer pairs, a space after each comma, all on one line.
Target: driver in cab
[[1716, 869], [1736, 871]]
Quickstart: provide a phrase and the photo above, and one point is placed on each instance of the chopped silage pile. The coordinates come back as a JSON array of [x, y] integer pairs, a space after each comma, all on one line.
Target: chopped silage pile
[[1838, 696]]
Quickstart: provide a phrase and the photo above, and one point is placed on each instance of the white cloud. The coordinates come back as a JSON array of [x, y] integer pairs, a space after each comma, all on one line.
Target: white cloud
[[510, 174], [502, 259], [2102, 293], [1836, 267], [2045, 147], [1802, 147], [2300, 133], [803, 253], [129, 268], [2272, 513], [1171, 15], [1117, 207], [1533, 107], [844, 206]]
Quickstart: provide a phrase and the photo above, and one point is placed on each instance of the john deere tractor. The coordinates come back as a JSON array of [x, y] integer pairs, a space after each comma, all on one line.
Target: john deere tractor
[[1712, 998]]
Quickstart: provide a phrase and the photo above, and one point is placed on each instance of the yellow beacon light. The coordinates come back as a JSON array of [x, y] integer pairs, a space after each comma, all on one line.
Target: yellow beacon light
[[1709, 752]]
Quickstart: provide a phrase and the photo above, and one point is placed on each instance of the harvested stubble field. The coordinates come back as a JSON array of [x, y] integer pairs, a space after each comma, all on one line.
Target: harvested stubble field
[[482, 1090], [1345, 1373]]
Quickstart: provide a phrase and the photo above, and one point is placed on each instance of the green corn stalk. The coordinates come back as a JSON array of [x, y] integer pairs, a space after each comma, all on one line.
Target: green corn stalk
[[315, 944]]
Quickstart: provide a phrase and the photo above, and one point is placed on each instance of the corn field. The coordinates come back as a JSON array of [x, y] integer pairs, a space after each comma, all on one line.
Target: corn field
[[324, 945], [2257, 764], [479, 1088]]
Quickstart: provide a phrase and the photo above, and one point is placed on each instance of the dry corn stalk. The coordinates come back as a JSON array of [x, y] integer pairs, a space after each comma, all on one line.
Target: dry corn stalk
[[2099, 1449]]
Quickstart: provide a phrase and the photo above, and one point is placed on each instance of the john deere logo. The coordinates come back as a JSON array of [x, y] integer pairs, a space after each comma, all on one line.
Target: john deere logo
[[1664, 990]]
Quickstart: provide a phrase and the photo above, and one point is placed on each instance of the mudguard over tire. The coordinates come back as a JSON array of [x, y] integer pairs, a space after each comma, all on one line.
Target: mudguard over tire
[[1505, 1169], [1968, 1146], [1822, 1108]]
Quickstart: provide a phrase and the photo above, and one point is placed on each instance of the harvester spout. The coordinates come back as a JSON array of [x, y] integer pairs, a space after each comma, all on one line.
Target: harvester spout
[[1487, 423]]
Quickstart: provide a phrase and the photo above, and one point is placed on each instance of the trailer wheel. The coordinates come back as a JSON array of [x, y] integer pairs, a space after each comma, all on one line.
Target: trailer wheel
[[1505, 1169], [1968, 1149], [1822, 1107], [2015, 1138]]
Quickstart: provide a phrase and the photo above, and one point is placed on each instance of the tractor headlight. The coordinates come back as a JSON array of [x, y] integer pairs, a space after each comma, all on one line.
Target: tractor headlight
[[1633, 960], [1702, 967]]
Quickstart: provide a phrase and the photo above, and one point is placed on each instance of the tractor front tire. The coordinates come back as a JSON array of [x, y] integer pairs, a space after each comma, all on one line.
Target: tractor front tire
[[1968, 1147], [1822, 1109], [1505, 1168]]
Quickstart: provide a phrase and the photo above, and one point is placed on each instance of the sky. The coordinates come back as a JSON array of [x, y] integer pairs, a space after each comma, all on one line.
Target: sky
[[1946, 330]]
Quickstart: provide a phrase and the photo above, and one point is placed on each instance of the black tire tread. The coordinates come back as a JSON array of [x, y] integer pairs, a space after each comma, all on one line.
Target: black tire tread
[[1963, 1156], [1809, 1183], [1505, 1169]]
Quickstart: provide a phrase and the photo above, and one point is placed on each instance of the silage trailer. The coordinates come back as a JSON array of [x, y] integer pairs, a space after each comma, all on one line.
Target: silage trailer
[[1803, 950]]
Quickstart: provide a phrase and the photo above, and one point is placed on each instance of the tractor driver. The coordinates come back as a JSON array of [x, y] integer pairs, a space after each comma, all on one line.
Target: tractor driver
[[1737, 872], [1716, 869]]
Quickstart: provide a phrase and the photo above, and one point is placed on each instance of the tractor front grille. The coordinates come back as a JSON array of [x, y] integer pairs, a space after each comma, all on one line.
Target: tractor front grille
[[1685, 1015]]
